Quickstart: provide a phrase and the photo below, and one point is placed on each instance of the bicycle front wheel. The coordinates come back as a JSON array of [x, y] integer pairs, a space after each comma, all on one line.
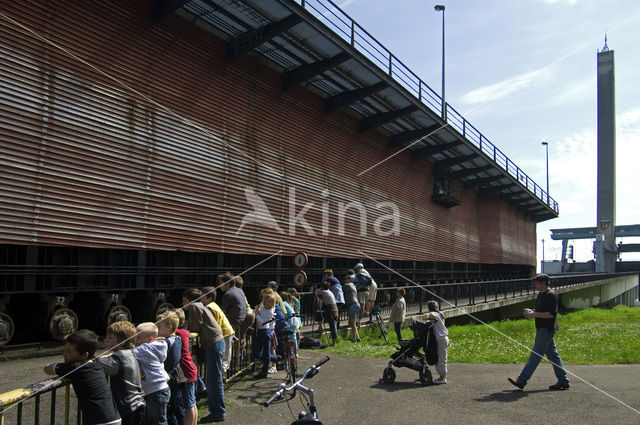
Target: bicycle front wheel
[[382, 327]]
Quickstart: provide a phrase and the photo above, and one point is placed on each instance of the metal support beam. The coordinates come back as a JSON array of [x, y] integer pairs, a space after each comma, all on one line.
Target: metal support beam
[[428, 151], [467, 172], [348, 98], [517, 195], [449, 162], [536, 208], [629, 247], [162, 8], [379, 119], [306, 72], [524, 202], [482, 181], [249, 40], [411, 136]]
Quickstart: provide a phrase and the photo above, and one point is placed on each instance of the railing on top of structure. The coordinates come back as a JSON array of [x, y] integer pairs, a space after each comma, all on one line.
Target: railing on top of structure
[[327, 12]]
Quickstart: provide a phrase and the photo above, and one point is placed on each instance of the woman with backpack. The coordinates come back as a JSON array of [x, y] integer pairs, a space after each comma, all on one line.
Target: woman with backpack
[[442, 340]]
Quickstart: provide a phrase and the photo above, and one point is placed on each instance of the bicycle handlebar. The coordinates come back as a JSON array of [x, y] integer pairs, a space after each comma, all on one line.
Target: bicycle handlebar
[[280, 318], [321, 362], [310, 373], [277, 395]]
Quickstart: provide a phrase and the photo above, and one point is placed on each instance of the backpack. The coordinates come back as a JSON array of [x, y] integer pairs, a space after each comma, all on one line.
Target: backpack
[[281, 323], [310, 343], [363, 281], [177, 374]]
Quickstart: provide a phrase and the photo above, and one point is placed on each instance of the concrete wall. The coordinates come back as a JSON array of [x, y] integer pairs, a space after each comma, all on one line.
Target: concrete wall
[[622, 289], [618, 290]]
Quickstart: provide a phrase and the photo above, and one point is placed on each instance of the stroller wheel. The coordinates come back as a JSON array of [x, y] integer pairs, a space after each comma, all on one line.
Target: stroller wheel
[[389, 375], [425, 376]]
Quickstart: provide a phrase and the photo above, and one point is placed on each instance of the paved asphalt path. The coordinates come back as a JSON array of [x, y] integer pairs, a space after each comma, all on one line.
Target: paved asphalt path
[[349, 390]]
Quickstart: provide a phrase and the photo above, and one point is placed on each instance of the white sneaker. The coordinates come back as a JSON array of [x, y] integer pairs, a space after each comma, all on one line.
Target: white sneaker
[[440, 381], [272, 369]]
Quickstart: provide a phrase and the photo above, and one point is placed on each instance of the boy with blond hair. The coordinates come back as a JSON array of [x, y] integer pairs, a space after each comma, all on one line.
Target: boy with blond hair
[[167, 323], [151, 354], [124, 372]]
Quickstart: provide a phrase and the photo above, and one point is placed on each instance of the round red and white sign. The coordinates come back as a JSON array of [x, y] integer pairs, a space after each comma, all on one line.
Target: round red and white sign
[[300, 260], [300, 279]]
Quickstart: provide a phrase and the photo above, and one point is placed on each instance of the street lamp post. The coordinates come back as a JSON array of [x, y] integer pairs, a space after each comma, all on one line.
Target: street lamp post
[[438, 8], [542, 268], [546, 146]]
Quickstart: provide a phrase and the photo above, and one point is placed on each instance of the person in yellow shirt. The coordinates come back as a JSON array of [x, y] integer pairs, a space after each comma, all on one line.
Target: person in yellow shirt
[[209, 299]]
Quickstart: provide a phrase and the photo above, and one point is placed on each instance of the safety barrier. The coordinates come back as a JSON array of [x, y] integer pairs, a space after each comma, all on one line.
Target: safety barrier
[[456, 294], [32, 396], [27, 402]]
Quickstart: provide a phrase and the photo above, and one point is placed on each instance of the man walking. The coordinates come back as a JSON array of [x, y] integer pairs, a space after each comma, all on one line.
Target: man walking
[[546, 317]]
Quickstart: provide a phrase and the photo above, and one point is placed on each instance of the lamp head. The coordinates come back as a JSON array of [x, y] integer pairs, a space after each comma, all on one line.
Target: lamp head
[[439, 7], [545, 143]]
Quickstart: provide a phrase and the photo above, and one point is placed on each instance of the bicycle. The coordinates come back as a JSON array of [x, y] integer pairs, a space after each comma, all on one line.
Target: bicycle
[[304, 418], [290, 364], [375, 312], [289, 360]]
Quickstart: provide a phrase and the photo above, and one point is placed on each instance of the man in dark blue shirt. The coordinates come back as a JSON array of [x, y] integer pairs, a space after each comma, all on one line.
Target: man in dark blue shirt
[[546, 318]]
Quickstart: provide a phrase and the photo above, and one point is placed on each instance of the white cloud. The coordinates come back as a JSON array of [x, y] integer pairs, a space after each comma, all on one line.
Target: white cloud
[[504, 88], [574, 91]]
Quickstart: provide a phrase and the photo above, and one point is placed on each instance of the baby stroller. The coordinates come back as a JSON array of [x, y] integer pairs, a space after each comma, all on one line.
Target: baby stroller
[[409, 355]]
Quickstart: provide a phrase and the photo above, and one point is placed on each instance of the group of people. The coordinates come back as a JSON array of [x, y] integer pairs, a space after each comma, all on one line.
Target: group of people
[[153, 376], [356, 293]]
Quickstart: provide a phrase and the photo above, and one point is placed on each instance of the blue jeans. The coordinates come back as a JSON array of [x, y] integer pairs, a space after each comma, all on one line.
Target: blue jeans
[[333, 327], [262, 349], [215, 388], [544, 345], [175, 409], [157, 407]]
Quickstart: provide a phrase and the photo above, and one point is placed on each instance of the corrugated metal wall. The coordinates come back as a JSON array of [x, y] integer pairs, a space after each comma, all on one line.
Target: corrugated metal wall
[[150, 138]]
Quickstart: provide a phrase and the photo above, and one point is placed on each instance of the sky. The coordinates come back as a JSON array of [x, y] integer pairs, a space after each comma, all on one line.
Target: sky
[[523, 72]]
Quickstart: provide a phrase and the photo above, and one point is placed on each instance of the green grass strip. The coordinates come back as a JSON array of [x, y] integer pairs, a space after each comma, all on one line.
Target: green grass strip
[[591, 336]]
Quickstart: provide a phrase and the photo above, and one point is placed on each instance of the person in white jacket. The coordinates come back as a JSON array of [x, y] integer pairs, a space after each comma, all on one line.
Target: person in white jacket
[[151, 354]]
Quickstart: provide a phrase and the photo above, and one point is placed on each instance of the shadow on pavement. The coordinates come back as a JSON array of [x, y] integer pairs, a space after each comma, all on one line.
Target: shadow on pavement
[[258, 391], [398, 385], [507, 396]]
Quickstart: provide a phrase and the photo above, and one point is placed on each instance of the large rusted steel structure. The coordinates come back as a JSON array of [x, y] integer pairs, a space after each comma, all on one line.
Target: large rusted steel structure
[[148, 145]]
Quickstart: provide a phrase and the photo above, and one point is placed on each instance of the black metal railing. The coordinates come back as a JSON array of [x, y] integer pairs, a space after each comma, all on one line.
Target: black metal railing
[[327, 12], [13, 404], [459, 294]]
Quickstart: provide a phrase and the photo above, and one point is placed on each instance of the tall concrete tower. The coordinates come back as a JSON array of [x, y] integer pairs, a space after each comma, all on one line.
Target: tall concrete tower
[[606, 216]]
